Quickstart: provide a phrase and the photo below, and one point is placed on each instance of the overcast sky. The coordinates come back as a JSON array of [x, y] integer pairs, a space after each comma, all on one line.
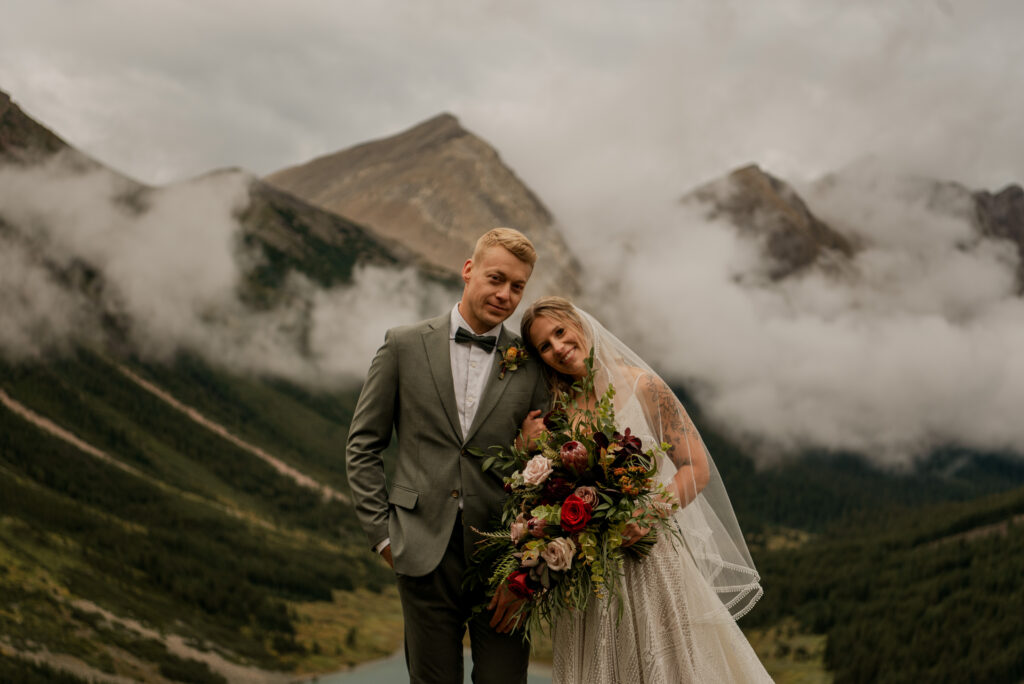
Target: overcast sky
[[580, 97], [610, 111]]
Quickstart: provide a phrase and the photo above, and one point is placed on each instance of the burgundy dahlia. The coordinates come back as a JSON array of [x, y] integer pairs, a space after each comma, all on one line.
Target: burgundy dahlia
[[556, 489], [631, 444]]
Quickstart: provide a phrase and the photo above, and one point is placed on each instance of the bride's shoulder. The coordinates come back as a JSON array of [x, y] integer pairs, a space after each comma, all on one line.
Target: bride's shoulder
[[648, 386], [637, 378]]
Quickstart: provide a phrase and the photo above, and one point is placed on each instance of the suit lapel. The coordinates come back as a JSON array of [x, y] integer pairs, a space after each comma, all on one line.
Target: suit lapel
[[494, 387], [436, 342]]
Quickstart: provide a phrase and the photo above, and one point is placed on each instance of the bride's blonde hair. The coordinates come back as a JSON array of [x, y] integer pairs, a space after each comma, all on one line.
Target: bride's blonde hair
[[563, 311]]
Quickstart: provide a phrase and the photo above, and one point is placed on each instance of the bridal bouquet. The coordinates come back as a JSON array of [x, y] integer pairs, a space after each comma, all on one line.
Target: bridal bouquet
[[560, 539]]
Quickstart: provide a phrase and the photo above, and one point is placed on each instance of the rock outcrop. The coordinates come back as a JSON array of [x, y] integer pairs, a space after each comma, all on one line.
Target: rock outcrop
[[766, 208]]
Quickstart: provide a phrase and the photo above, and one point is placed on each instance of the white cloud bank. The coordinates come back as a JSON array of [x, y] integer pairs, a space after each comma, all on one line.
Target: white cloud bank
[[915, 346], [172, 269]]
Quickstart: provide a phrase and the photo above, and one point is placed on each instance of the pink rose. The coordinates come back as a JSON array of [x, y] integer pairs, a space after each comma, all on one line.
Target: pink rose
[[587, 494], [558, 553], [535, 526], [537, 470], [517, 531], [574, 456]]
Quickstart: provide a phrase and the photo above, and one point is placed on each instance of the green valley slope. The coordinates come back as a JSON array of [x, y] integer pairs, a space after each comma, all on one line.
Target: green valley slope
[[183, 530]]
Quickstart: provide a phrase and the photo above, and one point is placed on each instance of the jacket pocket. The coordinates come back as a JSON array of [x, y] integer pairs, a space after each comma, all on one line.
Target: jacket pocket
[[403, 497]]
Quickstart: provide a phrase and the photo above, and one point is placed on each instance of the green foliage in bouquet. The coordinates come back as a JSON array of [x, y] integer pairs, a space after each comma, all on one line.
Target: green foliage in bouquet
[[572, 494]]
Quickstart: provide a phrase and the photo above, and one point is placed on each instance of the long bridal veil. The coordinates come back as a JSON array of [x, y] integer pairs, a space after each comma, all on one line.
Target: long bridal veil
[[708, 526]]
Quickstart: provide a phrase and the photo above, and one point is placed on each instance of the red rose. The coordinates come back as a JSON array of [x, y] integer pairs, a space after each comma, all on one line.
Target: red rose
[[575, 513], [574, 456], [517, 584]]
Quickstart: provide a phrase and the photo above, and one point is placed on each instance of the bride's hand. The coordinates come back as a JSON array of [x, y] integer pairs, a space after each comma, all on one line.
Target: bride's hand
[[533, 426], [633, 532]]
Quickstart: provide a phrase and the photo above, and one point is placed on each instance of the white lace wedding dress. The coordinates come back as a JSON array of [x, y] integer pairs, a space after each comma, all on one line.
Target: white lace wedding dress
[[673, 627]]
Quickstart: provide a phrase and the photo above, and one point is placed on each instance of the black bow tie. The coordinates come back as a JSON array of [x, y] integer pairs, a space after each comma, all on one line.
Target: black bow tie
[[485, 342]]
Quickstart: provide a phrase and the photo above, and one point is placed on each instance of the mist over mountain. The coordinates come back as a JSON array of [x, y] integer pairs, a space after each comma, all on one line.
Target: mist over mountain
[[870, 311], [222, 265]]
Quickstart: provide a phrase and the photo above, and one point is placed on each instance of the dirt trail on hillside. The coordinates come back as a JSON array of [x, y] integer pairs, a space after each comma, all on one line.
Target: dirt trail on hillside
[[280, 466], [982, 531], [179, 646], [57, 431]]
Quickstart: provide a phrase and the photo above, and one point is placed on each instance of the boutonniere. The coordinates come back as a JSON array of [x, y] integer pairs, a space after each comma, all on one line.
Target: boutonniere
[[511, 356]]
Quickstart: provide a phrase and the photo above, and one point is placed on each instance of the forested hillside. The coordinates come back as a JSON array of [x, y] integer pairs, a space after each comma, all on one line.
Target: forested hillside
[[930, 595], [182, 530]]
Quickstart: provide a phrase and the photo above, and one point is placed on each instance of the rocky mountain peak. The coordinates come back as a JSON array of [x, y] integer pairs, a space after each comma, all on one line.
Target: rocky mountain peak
[[22, 139], [1002, 214], [765, 207], [435, 188]]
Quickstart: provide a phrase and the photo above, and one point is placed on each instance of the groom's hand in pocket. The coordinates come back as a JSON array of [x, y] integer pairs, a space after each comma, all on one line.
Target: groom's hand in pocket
[[505, 605], [385, 553]]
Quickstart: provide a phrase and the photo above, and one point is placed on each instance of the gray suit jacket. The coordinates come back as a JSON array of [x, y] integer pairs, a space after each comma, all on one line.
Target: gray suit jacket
[[409, 389]]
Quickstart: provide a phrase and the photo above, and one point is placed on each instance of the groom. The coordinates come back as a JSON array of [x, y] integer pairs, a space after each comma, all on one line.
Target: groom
[[443, 386]]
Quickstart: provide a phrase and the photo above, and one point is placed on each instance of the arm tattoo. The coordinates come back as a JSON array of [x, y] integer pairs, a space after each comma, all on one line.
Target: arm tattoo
[[675, 425]]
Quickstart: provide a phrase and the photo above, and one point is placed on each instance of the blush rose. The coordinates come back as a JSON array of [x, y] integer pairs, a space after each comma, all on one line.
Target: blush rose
[[517, 530], [558, 553], [587, 494], [537, 470]]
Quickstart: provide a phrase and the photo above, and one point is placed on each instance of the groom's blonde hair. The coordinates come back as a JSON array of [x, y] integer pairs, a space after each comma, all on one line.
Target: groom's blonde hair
[[509, 238]]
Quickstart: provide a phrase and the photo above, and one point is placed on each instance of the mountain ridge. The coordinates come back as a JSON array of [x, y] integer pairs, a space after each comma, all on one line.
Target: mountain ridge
[[435, 187]]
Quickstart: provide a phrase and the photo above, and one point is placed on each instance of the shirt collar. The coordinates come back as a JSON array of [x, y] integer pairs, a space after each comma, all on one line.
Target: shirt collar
[[458, 321]]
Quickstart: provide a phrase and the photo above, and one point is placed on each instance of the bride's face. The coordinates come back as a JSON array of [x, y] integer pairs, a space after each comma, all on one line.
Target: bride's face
[[561, 345]]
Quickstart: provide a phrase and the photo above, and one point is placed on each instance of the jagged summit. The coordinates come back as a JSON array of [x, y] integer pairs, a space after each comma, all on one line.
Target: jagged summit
[[1002, 215], [793, 238], [435, 188], [767, 208], [22, 139]]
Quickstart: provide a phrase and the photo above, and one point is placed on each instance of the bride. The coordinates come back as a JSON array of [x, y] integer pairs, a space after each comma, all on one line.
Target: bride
[[680, 603]]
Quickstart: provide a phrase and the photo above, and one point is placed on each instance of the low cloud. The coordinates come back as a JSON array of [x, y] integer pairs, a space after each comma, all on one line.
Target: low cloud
[[910, 347], [171, 268], [39, 314]]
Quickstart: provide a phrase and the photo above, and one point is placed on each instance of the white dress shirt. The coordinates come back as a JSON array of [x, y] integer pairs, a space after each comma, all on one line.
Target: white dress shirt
[[471, 369]]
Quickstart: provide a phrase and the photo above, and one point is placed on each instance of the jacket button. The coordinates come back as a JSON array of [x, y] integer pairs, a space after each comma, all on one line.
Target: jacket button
[[455, 493]]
